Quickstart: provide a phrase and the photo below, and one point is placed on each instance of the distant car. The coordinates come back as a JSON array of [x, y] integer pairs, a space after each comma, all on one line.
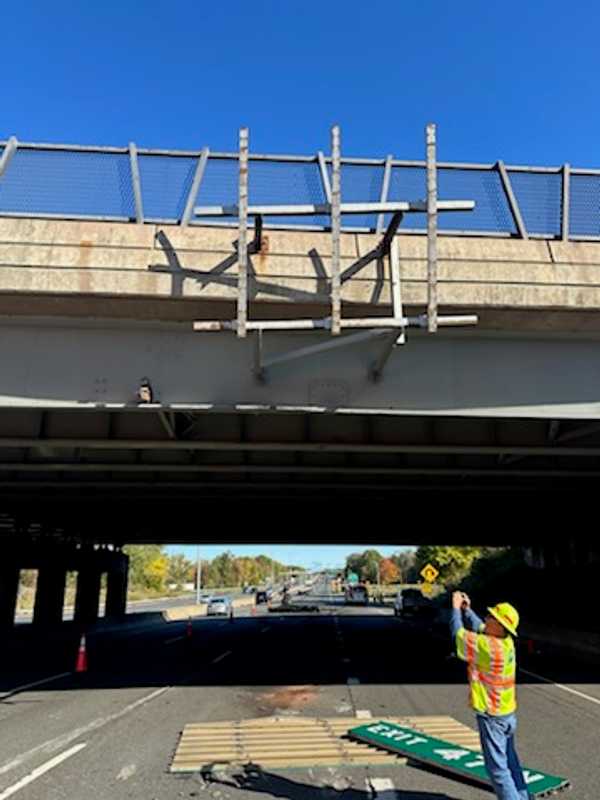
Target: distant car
[[219, 606], [205, 598], [263, 596]]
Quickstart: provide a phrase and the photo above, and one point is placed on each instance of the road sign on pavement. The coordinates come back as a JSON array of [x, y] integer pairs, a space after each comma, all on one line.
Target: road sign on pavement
[[429, 573], [446, 756]]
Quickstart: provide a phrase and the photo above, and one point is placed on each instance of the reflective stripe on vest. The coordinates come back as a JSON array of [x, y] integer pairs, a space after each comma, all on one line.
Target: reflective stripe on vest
[[491, 670]]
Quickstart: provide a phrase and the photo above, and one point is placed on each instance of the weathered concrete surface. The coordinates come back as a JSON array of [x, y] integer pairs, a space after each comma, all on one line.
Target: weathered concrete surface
[[194, 268]]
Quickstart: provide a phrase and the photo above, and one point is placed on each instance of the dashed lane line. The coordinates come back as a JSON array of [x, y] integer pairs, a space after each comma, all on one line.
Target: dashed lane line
[[562, 686], [175, 639], [25, 686], [221, 657], [41, 770], [52, 745]]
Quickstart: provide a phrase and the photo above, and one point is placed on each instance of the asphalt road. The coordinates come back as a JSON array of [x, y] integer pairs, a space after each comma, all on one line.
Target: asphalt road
[[111, 732]]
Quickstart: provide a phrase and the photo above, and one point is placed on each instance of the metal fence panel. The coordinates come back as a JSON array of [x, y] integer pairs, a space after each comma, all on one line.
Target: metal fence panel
[[584, 207], [68, 183], [166, 183], [539, 196]]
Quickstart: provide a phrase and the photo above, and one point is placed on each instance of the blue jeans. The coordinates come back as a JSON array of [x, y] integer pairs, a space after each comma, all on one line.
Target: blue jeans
[[501, 759]]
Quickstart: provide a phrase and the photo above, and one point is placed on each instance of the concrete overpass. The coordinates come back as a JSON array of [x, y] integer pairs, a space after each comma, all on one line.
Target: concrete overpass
[[121, 423]]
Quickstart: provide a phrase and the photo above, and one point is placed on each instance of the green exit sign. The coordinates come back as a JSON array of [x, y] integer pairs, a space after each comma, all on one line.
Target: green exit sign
[[446, 756]]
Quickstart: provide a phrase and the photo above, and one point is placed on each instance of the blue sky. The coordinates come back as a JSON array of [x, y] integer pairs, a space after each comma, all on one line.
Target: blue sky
[[309, 556], [510, 80]]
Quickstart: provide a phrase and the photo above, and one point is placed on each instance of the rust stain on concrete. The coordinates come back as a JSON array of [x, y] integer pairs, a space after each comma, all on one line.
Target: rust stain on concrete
[[288, 697]]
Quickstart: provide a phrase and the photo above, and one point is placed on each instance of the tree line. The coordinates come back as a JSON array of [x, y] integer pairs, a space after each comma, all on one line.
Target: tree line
[[152, 568], [453, 564]]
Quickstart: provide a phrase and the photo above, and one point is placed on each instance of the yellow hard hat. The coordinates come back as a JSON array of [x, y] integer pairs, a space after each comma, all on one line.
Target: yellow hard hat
[[507, 615]]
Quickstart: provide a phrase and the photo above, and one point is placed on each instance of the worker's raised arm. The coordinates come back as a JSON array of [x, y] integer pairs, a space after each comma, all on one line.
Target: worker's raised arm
[[472, 621], [465, 641]]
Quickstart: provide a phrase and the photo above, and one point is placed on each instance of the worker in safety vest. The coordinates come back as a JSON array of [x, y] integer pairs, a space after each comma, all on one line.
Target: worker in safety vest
[[489, 651]]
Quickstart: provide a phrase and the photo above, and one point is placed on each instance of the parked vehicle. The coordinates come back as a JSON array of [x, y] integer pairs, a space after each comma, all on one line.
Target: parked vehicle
[[356, 593], [414, 604], [262, 596], [219, 606]]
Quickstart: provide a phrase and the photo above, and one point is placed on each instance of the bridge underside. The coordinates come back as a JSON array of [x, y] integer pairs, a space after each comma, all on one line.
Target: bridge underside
[[150, 475]]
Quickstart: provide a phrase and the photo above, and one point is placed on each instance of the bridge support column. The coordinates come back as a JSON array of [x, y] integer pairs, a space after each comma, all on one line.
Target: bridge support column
[[9, 589], [50, 595], [87, 596], [116, 586]]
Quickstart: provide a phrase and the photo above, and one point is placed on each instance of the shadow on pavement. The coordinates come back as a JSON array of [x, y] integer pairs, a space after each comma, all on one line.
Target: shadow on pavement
[[254, 779], [266, 650]]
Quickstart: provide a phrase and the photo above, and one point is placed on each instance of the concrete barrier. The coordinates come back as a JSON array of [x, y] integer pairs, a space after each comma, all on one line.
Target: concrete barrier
[[183, 612]]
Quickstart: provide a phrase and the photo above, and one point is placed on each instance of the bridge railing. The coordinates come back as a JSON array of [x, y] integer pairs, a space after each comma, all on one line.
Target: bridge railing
[[99, 183]]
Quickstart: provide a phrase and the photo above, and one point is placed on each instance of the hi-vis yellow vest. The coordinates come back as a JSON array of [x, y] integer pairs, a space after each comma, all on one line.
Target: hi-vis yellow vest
[[491, 666]]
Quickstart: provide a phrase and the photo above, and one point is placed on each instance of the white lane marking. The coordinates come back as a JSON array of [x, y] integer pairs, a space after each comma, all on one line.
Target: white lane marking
[[353, 681], [381, 788], [22, 688], [38, 771], [363, 713], [265, 630], [52, 745], [126, 772], [562, 686], [221, 657], [175, 639]]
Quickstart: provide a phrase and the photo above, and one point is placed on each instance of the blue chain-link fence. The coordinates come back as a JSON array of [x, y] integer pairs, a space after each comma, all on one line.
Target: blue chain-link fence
[[43, 182]]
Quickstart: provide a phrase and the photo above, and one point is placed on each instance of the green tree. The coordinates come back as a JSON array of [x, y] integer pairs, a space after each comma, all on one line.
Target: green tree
[[405, 561], [365, 565], [453, 563], [147, 566], [179, 569]]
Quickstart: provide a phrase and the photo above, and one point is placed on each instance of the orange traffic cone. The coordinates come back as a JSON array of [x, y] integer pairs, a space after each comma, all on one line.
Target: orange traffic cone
[[253, 611], [188, 630], [82, 662], [530, 647]]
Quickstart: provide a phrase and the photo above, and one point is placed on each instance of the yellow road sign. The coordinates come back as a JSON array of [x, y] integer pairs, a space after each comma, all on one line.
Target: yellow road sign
[[427, 588], [429, 573]]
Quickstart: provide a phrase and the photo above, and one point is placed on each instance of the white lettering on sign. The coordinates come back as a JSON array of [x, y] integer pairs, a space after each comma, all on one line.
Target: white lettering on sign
[[415, 740], [376, 728], [479, 762], [451, 754], [528, 777]]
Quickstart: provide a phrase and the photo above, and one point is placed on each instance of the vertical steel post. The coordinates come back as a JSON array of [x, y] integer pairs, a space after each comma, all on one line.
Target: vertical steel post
[[395, 275], [191, 200], [566, 200], [137, 186], [242, 299], [385, 188], [431, 230], [336, 223], [512, 200], [324, 176], [10, 149], [198, 576]]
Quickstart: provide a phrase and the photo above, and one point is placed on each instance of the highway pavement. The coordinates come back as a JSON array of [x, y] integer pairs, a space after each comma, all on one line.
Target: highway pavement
[[111, 732]]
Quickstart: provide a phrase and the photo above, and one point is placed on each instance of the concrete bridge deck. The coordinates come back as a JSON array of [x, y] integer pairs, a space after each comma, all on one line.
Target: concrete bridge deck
[[170, 273]]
